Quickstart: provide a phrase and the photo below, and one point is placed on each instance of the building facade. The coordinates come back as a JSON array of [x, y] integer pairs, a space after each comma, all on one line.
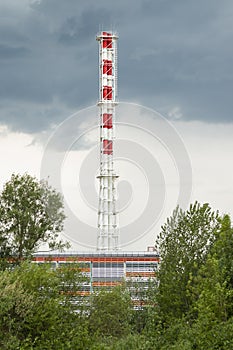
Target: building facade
[[109, 269]]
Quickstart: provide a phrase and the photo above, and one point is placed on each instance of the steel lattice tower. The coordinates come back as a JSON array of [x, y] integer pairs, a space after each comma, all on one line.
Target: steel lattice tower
[[108, 232]]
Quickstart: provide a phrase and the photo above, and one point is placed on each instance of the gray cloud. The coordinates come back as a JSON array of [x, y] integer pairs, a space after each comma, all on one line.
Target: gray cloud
[[76, 30], [171, 54], [8, 52]]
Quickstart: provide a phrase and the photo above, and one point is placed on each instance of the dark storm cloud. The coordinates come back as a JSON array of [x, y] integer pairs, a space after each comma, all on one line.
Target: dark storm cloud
[[172, 54], [8, 52], [76, 30]]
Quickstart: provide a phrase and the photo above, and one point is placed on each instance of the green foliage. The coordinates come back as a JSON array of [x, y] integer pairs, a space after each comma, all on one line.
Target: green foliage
[[15, 307], [189, 307], [31, 213], [213, 336], [132, 341], [223, 249], [110, 313], [184, 243], [210, 291], [35, 314], [195, 291], [212, 285]]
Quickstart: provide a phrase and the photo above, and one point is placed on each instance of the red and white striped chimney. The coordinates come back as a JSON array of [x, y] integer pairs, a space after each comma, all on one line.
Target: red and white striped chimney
[[108, 231]]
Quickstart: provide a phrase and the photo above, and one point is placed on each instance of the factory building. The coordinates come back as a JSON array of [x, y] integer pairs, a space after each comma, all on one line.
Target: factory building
[[107, 270]]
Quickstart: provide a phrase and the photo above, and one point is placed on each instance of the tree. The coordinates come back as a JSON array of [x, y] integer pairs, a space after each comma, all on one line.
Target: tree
[[184, 243], [31, 213], [15, 307], [213, 283], [34, 314], [223, 249], [110, 313]]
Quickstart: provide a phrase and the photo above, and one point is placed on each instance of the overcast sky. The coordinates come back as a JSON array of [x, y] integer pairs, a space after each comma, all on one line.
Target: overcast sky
[[174, 56]]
